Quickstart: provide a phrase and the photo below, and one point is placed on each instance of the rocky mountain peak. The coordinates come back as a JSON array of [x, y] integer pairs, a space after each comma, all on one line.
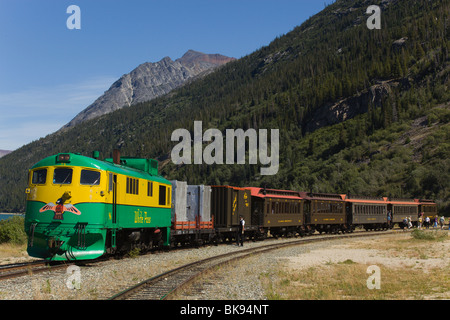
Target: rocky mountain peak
[[151, 80], [192, 57]]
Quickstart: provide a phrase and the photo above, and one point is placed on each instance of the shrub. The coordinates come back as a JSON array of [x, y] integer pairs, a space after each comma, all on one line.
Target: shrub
[[429, 234], [12, 231]]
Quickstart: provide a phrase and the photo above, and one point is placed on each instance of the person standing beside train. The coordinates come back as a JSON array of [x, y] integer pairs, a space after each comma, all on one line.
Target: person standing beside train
[[240, 235], [441, 222], [389, 218], [427, 222]]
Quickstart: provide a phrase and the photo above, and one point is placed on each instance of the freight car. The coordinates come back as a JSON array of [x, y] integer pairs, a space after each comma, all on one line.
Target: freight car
[[81, 208], [192, 223], [227, 205]]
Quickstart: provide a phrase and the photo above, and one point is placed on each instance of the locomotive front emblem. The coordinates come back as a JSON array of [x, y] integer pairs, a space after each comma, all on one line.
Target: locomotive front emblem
[[59, 208]]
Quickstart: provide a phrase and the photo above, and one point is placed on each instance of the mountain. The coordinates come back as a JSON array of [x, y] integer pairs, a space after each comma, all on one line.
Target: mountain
[[359, 111], [151, 80], [4, 152]]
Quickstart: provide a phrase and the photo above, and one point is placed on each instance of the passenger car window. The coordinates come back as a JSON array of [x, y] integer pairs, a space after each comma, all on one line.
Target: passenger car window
[[62, 176], [90, 177], [39, 176]]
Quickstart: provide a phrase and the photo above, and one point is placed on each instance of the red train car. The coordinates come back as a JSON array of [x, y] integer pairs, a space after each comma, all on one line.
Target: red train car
[[280, 212], [427, 208], [402, 209], [325, 212], [369, 212]]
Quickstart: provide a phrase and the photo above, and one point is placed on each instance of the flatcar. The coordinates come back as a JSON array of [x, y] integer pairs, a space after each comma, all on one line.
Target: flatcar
[[81, 208], [192, 223]]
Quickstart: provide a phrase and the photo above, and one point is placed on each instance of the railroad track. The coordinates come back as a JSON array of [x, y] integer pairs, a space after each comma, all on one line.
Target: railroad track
[[9, 271], [14, 270], [163, 286]]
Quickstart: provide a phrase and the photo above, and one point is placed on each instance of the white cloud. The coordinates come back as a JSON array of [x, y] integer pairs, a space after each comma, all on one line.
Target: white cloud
[[36, 112]]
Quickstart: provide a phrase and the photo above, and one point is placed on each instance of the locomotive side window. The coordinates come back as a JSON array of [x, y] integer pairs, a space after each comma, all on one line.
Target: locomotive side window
[[90, 177], [39, 176], [150, 189], [62, 176], [132, 186], [162, 195]]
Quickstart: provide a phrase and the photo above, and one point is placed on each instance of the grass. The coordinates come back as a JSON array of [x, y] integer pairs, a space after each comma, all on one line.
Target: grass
[[10, 251], [434, 235], [349, 281]]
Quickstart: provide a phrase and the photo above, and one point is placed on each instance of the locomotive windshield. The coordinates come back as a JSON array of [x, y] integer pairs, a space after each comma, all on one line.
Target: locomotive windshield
[[62, 176], [90, 177], [39, 176]]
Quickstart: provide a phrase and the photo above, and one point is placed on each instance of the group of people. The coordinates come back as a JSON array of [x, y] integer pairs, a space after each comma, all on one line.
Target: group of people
[[423, 221], [426, 222], [407, 222]]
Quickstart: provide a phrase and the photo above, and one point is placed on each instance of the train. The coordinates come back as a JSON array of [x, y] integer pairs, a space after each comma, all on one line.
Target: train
[[83, 208]]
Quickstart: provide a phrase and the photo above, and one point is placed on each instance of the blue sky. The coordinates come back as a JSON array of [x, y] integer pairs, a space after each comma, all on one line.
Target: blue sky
[[48, 73]]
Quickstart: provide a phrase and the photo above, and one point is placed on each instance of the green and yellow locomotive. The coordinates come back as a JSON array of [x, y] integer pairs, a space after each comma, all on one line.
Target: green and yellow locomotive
[[81, 208]]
